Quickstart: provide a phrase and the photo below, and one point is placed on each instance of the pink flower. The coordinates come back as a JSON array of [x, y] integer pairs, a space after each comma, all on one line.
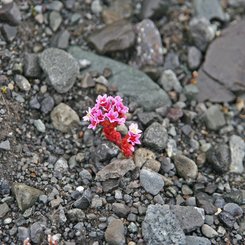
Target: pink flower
[[100, 116], [133, 128], [134, 134], [112, 115], [88, 115], [102, 100], [93, 122]]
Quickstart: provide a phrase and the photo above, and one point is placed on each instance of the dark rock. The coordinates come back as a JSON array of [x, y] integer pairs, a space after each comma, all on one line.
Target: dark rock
[[114, 233], [47, 104], [4, 187], [195, 240], [85, 176], [34, 103], [120, 209], [147, 118], [76, 215], [84, 201], [219, 158], [161, 226], [235, 210], [60, 67], [206, 202], [154, 9], [155, 137], [228, 51], [149, 50], [10, 14], [5, 145], [227, 219], [237, 196], [4, 209], [113, 37], [31, 65], [106, 151], [23, 233], [61, 39], [171, 61], [37, 232], [9, 32], [194, 57]]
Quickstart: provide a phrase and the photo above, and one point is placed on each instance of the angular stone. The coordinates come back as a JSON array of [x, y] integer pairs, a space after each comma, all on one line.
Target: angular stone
[[61, 39], [4, 209], [228, 51], [235, 210], [9, 32], [186, 167], [47, 104], [55, 20], [64, 118], [141, 155], [115, 169], [149, 50], [76, 215], [114, 233], [25, 195], [210, 9], [120, 209], [151, 181], [60, 67], [5, 145], [161, 226], [154, 9], [129, 81], [10, 14], [237, 148], [214, 118], [113, 37], [37, 232], [155, 137], [31, 65], [169, 81]]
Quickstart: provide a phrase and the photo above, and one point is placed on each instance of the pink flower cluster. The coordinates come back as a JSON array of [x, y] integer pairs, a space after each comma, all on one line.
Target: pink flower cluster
[[109, 112]]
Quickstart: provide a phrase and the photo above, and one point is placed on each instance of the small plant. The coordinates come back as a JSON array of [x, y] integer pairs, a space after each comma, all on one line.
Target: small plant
[[109, 112]]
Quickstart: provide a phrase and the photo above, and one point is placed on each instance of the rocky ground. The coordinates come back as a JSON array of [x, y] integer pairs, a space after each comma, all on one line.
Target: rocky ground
[[179, 66]]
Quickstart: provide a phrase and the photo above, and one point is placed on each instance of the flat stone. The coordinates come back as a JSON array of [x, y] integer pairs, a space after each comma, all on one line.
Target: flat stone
[[55, 20], [10, 14], [205, 201], [227, 219], [25, 195], [9, 32], [186, 167], [195, 240], [31, 65], [23, 233], [115, 169], [5, 145], [208, 231], [40, 126], [169, 81], [214, 118], [61, 39], [141, 155], [118, 10], [161, 226], [113, 37], [237, 148], [60, 67], [155, 137], [236, 196], [154, 9], [22, 82], [210, 9], [149, 50], [120, 209], [129, 81], [228, 51], [235, 210], [4, 209], [64, 118], [189, 217], [151, 181], [114, 233]]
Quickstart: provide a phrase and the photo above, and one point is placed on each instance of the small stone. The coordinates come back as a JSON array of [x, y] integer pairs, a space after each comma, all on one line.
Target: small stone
[[31, 65], [87, 81], [132, 227], [235, 210], [237, 196], [10, 14], [194, 57], [55, 20], [168, 81], [55, 5], [47, 104], [120, 209], [4, 187], [64, 118], [5, 145], [214, 118], [153, 165], [7, 221], [191, 91], [61, 165], [96, 7], [227, 219], [141, 155], [113, 37], [84, 201], [175, 113], [114, 233], [208, 231], [186, 167], [22, 83], [34, 103], [4, 209], [155, 137], [85, 176], [37, 232], [147, 118], [61, 39], [237, 148], [23, 233], [205, 201], [151, 181], [9, 32], [40, 126], [76, 215]]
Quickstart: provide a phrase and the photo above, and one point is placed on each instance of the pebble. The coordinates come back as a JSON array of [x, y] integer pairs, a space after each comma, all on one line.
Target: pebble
[[9, 32], [40, 126], [4, 209], [10, 14], [141, 155], [5, 145], [208, 231], [120, 209], [55, 20], [31, 65], [227, 219], [114, 233], [96, 7], [234, 209], [194, 57]]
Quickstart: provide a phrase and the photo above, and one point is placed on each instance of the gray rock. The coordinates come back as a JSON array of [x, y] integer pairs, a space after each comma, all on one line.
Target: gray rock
[[25, 195], [234, 209], [202, 32], [40, 126], [208, 231], [55, 20], [5, 145], [23, 233], [55, 5], [195, 240], [96, 7], [64, 118], [61, 39], [151, 181], [85, 176], [47, 104], [189, 217], [149, 50], [31, 65], [9, 32], [61, 165], [168, 81], [141, 155], [37, 232], [147, 118], [114, 233], [205, 201], [171, 61], [227, 219], [153, 165], [4, 209], [210, 9], [120, 209], [219, 158], [154, 9], [4, 186], [161, 226], [236, 196], [186, 167], [115, 169], [84, 201], [34, 103], [76, 215], [194, 57], [60, 67], [22, 82], [155, 137], [214, 118], [113, 37], [237, 148], [10, 14]]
